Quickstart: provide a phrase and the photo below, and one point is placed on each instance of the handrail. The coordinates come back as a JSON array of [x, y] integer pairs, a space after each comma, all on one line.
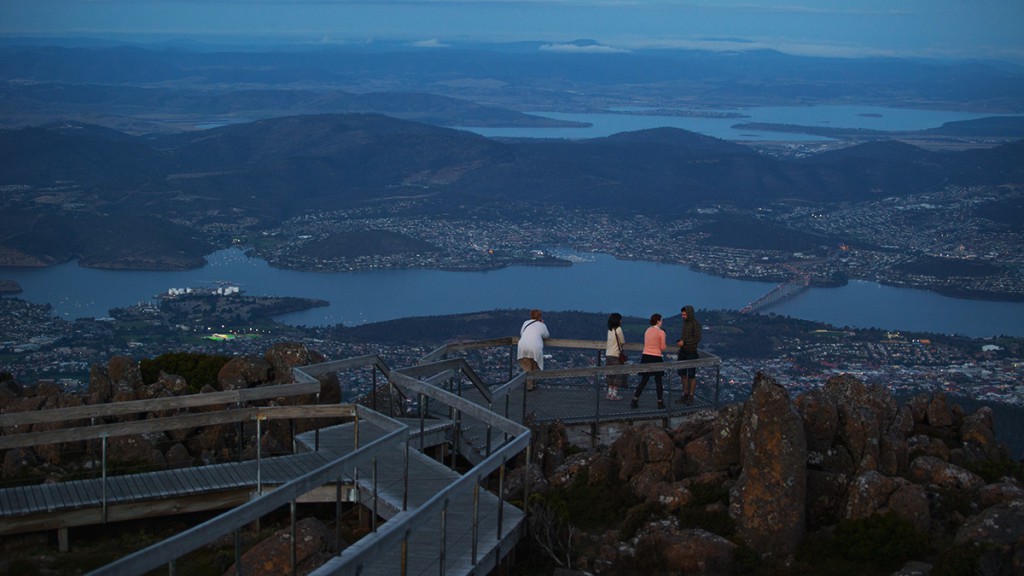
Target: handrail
[[177, 422], [420, 380], [370, 546], [366, 360], [452, 364], [157, 404], [167, 551], [362, 552]]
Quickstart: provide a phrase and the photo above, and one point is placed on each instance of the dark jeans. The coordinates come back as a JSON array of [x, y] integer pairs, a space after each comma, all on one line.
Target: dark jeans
[[687, 355], [645, 376]]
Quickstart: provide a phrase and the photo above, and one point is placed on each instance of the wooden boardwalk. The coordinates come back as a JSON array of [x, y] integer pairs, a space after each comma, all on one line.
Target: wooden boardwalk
[[451, 531], [83, 502], [437, 520]]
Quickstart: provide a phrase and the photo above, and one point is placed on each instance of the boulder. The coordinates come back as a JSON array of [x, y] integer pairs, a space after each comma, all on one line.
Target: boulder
[[924, 445], [767, 503], [874, 493], [282, 357], [1000, 524], [1000, 493], [639, 446], [685, 551], [172, 383], [125, 375], [820, 417], [726, 437], [978, 437], [938, 413], [272, 557], [101, 390], [826, 493], [243, 372], [932, 471]]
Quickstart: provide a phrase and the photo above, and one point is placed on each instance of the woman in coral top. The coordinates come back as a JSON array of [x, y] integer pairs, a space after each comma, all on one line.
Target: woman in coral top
[[654, 350]]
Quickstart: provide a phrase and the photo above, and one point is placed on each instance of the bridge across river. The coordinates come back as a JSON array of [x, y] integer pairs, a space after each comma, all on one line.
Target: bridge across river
[[783, 291]]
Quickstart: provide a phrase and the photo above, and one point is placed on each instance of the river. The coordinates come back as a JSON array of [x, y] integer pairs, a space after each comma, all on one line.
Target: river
[[597, 283], [845, 116]]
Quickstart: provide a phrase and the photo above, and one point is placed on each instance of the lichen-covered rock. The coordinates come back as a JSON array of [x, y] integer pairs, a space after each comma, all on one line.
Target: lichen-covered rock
[[874, 493], [125, 374], [272, 557], [726, 437], [698, 457], [821, 419], [639, 446], [686, 551], [243, 372], [767, 503], [283, 357], [100, 388], [929, 470], [924, 445], [1000, 493], [938, 413], [1001, 525]]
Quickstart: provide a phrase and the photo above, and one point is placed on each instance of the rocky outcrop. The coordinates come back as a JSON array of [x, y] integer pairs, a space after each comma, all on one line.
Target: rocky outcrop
[[121, 380], [772, 471], [791, 467], [314, 544], [767, 500]]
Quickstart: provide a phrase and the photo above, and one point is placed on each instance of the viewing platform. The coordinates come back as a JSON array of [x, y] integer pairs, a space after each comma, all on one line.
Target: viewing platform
[[461, 417]]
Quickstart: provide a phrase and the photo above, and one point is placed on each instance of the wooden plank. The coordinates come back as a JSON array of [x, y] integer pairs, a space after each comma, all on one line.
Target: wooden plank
[[85, 491], [173, 483], [47, 492], [64, 494], [88, 411], [191, 481], [91, 516]]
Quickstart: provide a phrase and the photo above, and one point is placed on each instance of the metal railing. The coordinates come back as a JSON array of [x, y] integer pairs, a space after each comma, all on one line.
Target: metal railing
[[443, 384], [380, 546], [168, 551]]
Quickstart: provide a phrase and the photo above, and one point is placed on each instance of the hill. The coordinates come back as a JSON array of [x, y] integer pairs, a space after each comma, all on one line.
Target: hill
[[258, 174]]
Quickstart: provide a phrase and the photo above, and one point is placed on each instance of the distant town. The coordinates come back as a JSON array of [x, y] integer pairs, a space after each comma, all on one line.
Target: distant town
[[36, 345], [951, 242]]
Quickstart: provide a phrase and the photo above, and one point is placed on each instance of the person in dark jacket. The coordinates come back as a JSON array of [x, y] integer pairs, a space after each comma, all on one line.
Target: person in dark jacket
[[687, 343]]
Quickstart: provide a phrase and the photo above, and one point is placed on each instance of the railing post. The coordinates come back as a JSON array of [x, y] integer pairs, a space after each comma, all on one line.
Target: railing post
[[259, 454], [487, 452], [104, 476], [476, 522], [405, 477], [511, 360], [376, 495], [337, 515], [404, 562], [292, 552], [718, 382], [444, 538], [238, 551], [456, 435], [423, 418], [501, 496], [373, 389]]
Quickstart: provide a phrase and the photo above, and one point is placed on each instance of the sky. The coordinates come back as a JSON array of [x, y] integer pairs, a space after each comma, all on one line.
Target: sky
[[945, 29]]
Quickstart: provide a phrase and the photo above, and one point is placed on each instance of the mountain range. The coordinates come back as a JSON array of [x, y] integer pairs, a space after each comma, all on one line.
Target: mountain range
[[77, 190]]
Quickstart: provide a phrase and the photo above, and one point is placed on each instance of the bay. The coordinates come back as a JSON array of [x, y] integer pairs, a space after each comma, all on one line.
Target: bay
[[594, 283], [837, 116]]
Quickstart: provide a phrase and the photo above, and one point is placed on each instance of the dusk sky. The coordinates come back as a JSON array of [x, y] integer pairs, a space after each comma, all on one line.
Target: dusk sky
[[911, 28]]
